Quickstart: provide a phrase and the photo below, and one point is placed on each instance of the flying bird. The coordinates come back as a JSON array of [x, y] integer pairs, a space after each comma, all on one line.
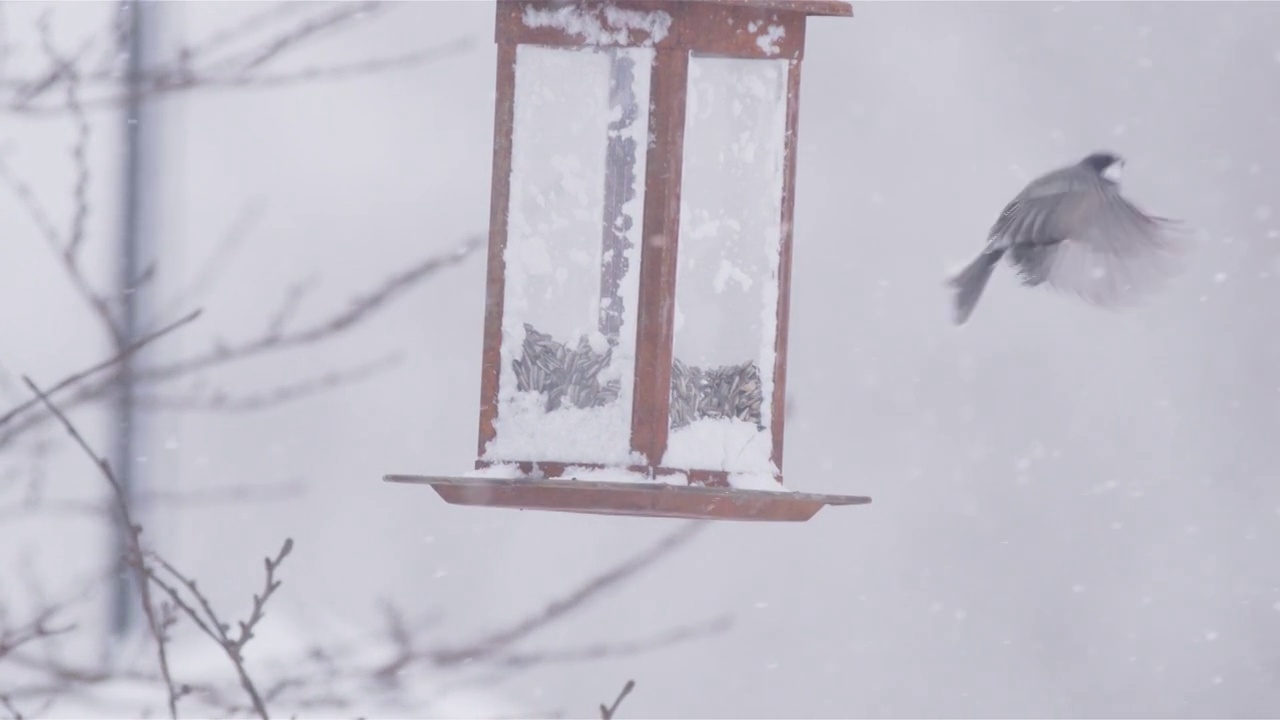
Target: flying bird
[[1072, 229]]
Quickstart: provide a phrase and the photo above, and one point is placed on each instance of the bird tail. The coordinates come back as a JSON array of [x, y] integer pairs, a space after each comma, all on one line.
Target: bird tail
[[971, 281]]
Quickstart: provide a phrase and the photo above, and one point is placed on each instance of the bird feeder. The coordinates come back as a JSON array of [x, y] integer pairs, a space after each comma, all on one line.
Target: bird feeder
[[635, 331]]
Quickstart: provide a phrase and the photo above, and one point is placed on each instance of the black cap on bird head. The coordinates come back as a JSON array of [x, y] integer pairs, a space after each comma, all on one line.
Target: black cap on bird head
[[1101, 161]]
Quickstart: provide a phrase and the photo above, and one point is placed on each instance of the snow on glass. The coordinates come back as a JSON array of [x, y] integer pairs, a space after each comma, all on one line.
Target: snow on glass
[[727, 268], [596, 25], [573, 255]]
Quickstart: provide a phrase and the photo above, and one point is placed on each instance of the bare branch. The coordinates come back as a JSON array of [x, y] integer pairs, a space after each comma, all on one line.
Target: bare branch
[[31, 465], [293, 297], [112, 361], [38, 628], [301, 32], [161, 83], [345, 71], [157, 620], [201, 612], [7, 704], [220, 401], [358, 311], [114, 52], [607, 713], [27, 198], [79, 153], [247, 493], [95, 300], [80, 156], [211, 269], [602, 651], [65, 679], [4, 42], [193, 68], [59, 67], [161, 617], [28, 509], [499, 641], [243, 27]]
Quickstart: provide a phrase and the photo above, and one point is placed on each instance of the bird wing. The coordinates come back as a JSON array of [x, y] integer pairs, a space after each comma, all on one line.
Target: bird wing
[[1082, 237], [1026, 215]]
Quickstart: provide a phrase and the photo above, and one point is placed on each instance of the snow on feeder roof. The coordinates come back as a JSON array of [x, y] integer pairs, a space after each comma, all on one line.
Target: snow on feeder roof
[[635, 339]]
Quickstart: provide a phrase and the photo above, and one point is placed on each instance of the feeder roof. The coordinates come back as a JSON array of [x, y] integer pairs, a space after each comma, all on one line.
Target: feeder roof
[[839, 8]]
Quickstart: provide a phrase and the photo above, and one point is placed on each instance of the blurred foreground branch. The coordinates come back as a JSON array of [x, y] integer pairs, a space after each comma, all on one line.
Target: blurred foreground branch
[[247, 52], [69, 83], [607, 713], [161, 617], [310, 685], [238, 55], [277, 337], [77, 377]]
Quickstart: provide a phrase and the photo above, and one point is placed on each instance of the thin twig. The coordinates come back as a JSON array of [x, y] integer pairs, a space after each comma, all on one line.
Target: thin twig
[[607, 713], [4, 42], [27, 198], [493, 647], [116, 51], [219, 401], [171, 81], [247, 493], [80, 158], [293, 297], [59, 66], [601, 651], [358, 311], [201, 612], [7, 704], [210, 272], [95, 300], [38, 628], [362, 309], [27, 509], [116, 359], [243, 27], [496, 642], [302, 31], [157, 622]]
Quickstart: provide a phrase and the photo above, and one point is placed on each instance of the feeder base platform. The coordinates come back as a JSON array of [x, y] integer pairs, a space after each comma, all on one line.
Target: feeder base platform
[[650, 499]]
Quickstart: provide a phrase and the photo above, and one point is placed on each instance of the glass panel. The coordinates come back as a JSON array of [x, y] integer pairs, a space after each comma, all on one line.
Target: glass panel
[[573, 255], [727, 266]]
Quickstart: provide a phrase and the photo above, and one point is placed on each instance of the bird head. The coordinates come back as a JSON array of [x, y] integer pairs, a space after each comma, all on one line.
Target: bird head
[[1106, 164]]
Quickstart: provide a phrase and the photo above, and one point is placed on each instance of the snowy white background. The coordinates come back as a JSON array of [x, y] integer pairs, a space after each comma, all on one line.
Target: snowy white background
[[1076, 512]]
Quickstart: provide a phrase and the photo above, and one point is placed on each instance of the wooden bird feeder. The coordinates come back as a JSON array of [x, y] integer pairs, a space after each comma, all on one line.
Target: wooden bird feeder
[[635, 336]]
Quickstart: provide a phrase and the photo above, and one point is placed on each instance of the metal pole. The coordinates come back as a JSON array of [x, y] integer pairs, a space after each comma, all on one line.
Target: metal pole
[[134, 246]]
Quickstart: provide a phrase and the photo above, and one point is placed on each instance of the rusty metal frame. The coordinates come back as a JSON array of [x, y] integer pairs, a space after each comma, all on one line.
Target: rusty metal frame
[[705, 26], [790, 151], [647, 500], [655, 322], [499, 209], [710, 27]]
